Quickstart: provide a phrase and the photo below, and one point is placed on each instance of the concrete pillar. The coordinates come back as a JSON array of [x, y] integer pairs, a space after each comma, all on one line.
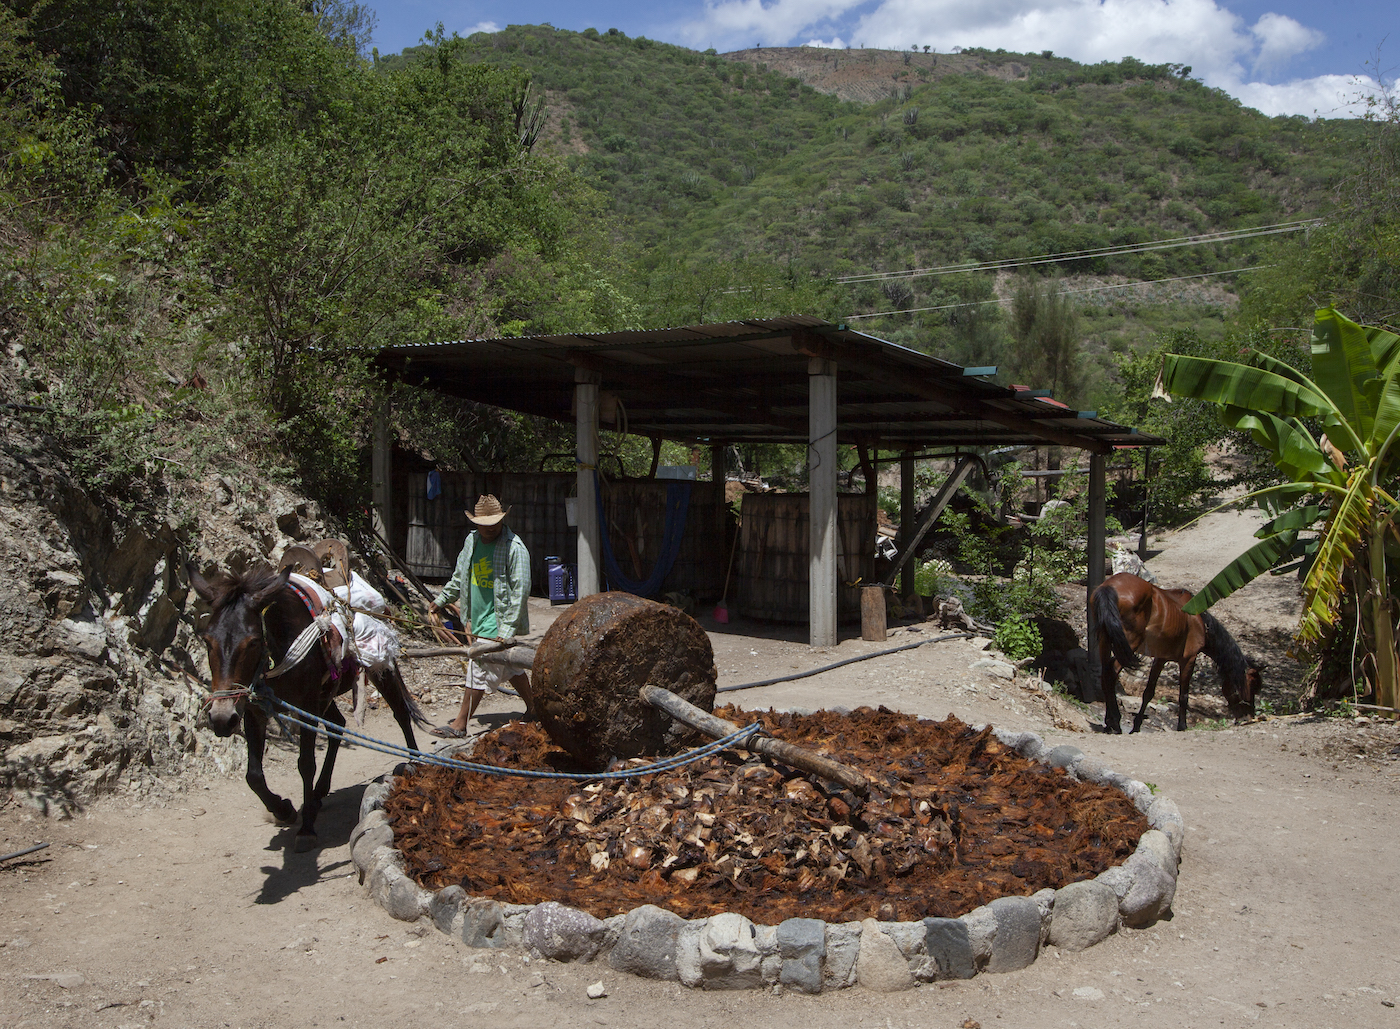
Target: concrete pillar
[[906, 523], [821, 462], [590, 549], [1097, 545], [381, 475]]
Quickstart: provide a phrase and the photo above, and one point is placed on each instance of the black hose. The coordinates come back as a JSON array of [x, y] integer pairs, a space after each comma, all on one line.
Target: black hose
[[838, 664]]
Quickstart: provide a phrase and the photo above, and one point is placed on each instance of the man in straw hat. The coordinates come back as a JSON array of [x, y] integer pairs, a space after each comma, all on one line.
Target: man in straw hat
[[493, 578]]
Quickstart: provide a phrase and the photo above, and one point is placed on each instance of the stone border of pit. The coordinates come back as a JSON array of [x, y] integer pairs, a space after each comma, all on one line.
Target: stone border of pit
[[728, 951]]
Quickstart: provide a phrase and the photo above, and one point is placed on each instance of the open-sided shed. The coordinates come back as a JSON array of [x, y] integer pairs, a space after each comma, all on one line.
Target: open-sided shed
[[778, 380]]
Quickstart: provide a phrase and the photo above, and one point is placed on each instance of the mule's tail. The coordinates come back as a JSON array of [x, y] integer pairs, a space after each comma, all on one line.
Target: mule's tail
[[391, 679], [1111, 626]]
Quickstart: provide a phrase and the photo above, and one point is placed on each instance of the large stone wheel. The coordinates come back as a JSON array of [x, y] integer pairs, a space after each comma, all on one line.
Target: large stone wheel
[[594, 659]]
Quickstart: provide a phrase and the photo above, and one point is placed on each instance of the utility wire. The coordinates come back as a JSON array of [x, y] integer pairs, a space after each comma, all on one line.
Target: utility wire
[[1225, 236], [1087, 289]]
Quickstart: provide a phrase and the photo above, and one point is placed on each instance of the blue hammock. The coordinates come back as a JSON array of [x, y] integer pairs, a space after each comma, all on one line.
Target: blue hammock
[[677, 503]]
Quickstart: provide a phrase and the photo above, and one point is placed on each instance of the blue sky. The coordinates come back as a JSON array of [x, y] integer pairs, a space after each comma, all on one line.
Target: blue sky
[[1284, 57]]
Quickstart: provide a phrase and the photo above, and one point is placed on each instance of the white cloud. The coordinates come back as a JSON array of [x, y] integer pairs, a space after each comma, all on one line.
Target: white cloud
[[481, 26], [1327, 96], [1280, 38], [1217, 44]]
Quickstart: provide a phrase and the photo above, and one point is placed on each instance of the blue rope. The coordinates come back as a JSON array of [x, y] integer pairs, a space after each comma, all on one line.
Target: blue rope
[[672, 534], [271, 703]]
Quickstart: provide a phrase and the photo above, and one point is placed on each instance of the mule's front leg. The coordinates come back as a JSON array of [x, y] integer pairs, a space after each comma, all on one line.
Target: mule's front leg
[[255, 732], [1183, 701], [323, 784], [310, 800]]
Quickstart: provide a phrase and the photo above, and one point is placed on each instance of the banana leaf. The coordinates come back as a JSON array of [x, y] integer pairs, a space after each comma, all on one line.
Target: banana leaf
[[1342, 364], [1225, 382], [1345, 532], [1243, 570], [1295, 518], [1385, 348], [1288, 442]]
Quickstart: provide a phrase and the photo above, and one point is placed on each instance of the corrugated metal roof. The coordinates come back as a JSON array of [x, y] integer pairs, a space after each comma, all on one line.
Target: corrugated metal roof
[[747, 381]]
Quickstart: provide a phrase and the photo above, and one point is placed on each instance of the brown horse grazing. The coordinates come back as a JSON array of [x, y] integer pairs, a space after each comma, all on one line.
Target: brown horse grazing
[[255, 618], [1135, 617]]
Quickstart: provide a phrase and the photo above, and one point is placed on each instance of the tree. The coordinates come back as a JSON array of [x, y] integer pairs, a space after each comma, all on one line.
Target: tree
[[1341, 478], [1045, 328]]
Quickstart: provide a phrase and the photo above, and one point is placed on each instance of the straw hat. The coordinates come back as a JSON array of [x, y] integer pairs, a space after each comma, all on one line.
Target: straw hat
[[488, 510]]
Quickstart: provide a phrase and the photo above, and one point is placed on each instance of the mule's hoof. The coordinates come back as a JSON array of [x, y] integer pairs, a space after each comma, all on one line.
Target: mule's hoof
[[305, 843], [286, 813]]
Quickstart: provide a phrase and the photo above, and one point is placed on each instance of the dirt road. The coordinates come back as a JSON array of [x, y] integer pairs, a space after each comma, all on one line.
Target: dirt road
[[193, 910]]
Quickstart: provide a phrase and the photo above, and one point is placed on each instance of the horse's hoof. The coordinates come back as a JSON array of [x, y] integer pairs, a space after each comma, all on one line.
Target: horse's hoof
[[305, 843], [286, 814]]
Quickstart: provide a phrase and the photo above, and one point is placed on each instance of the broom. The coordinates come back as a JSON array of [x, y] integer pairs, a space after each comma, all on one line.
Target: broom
[[721, 611]]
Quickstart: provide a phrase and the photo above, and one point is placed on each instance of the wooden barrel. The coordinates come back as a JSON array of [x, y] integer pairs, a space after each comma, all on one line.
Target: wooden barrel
[[595, 658], [772, 565]]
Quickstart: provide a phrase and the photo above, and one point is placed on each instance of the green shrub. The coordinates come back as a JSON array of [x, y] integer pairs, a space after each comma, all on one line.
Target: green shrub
[[1017, 638]]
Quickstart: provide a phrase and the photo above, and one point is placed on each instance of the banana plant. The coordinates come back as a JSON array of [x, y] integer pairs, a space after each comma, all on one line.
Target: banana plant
[[1335, 480]]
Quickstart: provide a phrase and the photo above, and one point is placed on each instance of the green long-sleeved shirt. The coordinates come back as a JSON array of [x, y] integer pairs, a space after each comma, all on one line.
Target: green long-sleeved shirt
[[512, 588]]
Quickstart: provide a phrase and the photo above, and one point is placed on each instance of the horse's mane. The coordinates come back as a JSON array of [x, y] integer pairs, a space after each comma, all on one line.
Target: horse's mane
[[228, 587], [1230, 660]]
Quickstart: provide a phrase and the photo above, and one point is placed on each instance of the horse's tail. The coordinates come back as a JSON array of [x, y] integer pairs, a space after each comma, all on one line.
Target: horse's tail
[[391, 678], [1111, 626]]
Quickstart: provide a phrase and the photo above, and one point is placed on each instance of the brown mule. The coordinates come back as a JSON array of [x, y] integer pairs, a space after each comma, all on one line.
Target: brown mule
[[255, 618], [1135, 617]]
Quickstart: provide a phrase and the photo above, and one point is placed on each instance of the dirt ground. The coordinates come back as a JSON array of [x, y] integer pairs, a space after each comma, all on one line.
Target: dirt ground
[[194, 911]]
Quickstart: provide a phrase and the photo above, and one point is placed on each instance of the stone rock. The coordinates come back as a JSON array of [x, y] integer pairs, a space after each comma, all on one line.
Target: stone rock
[[908, 937], [372, 832], [842, 948], [880, 966], [1092, 769], [1063, 756], [1017, 939], [1119, 879], [1155, 844], [482, 922], [1085, 913], [1165, 816], [513, 917], [688, 968], [1045, 902], [1150, 895], [445, 909], [802, 945], [729, 958], [395, 892], [1088, 993], [563, 933], [647, 944], [991, 666], [949, 948], [376, 793], [597, 991], [981, 931]]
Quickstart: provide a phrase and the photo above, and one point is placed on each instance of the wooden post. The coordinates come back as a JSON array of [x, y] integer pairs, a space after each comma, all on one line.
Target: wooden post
[[906, 522], [381, 474], [590, 550], [872, 614], [1146, 478], [1095, 561], [821, 463]]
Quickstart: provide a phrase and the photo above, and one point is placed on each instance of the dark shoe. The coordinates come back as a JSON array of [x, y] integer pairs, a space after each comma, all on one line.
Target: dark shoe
[[446, 732]]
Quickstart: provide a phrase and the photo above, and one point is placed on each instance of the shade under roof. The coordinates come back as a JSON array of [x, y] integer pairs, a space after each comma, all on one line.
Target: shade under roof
[[747, 382]]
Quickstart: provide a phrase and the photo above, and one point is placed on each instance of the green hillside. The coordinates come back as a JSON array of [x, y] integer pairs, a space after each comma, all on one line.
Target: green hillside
[[723, 157]]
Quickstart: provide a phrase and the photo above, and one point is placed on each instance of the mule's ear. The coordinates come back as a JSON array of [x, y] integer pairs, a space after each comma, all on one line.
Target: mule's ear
[[198, 583], [278, 583]]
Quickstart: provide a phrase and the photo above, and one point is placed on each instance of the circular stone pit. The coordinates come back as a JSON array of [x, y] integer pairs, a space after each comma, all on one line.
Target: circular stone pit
[[727, 950]]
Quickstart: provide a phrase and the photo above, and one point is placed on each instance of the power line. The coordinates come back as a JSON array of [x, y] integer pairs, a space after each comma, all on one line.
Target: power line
[[1087, 289], [1224, 236]]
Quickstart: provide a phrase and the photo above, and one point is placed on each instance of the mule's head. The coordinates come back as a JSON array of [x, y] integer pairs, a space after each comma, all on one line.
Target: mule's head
[[234, 639]]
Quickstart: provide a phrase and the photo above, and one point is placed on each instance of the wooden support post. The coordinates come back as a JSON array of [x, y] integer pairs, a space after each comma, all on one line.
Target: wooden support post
[[1095, 564], [381, 474], [821, 463], [873, 623], [590, 550], [906, 522], [1146, 478]]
